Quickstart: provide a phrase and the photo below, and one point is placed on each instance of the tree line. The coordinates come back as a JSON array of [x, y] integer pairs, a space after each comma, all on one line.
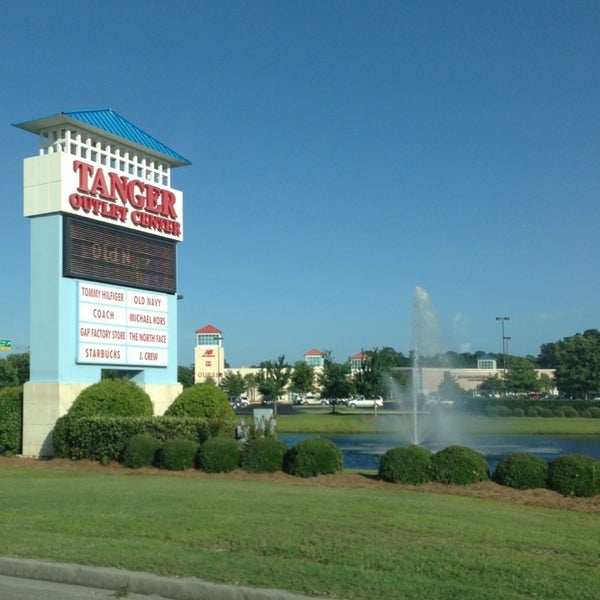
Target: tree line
[[575, 360]]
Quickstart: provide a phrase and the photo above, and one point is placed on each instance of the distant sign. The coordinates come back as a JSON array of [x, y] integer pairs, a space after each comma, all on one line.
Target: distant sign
[[5, 345]]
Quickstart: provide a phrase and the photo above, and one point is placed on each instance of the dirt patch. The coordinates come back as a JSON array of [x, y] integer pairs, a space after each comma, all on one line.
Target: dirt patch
[[487, 490]]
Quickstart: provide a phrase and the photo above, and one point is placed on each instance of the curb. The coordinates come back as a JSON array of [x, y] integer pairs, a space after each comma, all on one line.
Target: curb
[[188, 588]]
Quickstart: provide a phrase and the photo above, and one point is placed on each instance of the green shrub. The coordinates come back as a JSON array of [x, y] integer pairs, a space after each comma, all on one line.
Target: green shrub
[[558, 412], [518, 412], [408, 464], [104, 438], [459, 465], [586, 413], [574, 475], [11, 420], [522, 471], [60, 438], [140, 451], [263, 455], [532, 411], [112, 398], [219, 455], [545, 412], [11, 415], [595, 412], [313, 456], [569, 412], [177, 454], [205, 401]]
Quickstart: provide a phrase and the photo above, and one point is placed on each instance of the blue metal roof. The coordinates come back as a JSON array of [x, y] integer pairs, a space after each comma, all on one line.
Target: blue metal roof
[[114, 124]]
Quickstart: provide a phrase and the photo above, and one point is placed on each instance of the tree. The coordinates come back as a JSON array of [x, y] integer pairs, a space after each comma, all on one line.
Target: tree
[[521, 376], [302, 378], [547, 356], [335, 380], [491, 386], [578, 363], [21, 363], [233, 383], [9, 376], [369, 380], [272, 378], [449, 389], [185, 376], [251, 385]]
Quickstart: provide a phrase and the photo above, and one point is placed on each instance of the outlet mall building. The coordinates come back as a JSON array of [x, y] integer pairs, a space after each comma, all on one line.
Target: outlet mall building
[[209, 363]]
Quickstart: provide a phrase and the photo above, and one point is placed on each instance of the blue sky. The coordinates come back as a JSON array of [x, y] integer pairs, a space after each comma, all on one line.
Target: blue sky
[[342, 153]]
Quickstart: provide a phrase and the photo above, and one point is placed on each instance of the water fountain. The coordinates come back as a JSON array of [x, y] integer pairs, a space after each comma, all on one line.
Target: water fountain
[[426, 340]]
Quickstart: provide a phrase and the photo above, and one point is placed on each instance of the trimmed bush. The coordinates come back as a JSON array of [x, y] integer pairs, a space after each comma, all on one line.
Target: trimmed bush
[[409, 464], [518, 412], [522, 471], [595, 412], [586, 413], [545, 412], [141, 451], [498, 411], [569, 412], [112, 398], [263, 455], [177, 454], [204, 401], [558, 412], [314, 456], [459, 465], [574, 475], [60, 438], [532, 411], [219, 455], [11, 420]]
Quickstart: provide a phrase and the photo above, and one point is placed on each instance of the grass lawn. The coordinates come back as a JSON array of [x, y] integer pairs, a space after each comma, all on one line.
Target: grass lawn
[[343, 543], [346, 421]]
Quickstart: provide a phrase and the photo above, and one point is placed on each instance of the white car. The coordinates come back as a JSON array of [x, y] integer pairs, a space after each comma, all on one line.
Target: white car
[[362, 402], [305, 400]]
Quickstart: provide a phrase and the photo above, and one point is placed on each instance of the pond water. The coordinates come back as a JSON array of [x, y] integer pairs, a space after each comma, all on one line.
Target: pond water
[[362, 451]]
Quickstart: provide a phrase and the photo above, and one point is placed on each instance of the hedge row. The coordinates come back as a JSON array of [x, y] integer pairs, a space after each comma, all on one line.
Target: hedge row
[[568, 474], [482, 405], [568, 411], [103, 438], [221, 454]]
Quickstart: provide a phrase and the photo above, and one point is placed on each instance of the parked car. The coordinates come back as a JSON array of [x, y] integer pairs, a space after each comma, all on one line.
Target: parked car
[[310, 399], [362, 402], [238, 401]]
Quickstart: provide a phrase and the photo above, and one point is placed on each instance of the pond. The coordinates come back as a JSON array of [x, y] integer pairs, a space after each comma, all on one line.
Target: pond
[[362, 451]]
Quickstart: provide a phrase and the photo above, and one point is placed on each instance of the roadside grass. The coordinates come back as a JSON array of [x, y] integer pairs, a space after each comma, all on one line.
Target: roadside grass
[[341, 543], [389, 422]]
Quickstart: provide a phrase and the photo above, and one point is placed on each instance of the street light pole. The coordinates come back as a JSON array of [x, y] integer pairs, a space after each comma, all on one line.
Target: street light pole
[[504, 342]]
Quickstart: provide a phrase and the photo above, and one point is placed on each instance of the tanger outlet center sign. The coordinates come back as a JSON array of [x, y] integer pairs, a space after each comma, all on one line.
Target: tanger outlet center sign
[[130, 202], [105, 226], [122, 231], [121, 326]]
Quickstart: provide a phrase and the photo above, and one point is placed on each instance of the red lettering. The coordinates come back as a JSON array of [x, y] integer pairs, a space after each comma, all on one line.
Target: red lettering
[[96, 188], [85, 171], [168, 204], [118, 186], [136, 200], [152, 195], [99, 187]]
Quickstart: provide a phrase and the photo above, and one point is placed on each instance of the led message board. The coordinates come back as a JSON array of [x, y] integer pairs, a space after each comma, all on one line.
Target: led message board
[[110, 254]]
